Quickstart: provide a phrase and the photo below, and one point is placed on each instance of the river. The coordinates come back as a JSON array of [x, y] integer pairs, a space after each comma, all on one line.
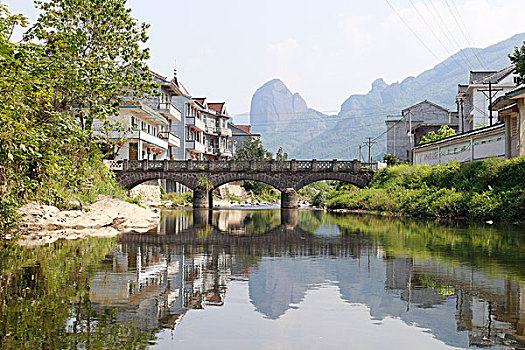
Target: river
[[268, 279]]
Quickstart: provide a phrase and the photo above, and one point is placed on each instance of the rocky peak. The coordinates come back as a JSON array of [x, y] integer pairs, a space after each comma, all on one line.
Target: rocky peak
[[273, 105], [378, 85]]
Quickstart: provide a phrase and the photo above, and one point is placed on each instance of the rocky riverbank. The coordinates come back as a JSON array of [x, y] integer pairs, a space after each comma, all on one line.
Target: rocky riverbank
[[107, 217]]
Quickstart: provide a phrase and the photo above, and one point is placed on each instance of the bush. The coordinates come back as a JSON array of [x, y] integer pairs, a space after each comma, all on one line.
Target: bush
[[491, 189]]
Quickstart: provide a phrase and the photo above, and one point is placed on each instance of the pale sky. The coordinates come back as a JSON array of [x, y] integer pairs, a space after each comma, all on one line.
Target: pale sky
[[325, 50]]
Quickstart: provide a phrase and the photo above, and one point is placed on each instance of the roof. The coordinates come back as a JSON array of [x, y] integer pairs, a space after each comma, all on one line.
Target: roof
[[240, 130], [155, 74], [247, 128], [218, 107], [516, 93], [494, 77], [425, 102], [393, 118], [201, 100]]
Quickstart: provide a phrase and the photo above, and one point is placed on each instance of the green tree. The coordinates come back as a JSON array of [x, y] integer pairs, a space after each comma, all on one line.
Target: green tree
[[252, 150], [97, 46], [392, 160], [518, 58], [281, 154], [72, 56], [443, 132]]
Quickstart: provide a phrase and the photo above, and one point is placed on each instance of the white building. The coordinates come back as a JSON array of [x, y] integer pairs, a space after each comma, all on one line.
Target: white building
[[144, 129], [474, 99]]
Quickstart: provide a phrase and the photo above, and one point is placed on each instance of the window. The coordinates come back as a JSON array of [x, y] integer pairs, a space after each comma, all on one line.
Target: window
[[133, 123], [516, 80]]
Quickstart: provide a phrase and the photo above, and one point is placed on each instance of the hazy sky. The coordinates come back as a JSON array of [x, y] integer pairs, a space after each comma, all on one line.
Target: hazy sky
[[326, 50]]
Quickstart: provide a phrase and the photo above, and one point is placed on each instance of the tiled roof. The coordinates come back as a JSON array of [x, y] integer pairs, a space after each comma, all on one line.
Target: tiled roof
[[217, 107], [247, 128], [426, 102], [157, 75], [494, 77], [475, 76], [200, 100]]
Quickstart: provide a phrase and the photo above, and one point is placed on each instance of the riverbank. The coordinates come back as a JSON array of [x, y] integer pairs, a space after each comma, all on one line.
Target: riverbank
[[490, 190], [106, 217]]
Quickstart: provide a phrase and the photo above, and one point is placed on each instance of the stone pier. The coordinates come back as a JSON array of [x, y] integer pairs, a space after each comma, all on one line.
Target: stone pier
[[289, 199], [202, 199]]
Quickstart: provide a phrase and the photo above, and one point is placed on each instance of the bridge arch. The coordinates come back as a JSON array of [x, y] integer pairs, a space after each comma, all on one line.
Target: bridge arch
[[359, 180], [132, 179], [272, 180]]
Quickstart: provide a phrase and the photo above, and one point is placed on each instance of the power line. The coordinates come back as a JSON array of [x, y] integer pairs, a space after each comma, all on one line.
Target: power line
[[433, 32], [469, 37], [476, 54], [411, 30], [450, 37]]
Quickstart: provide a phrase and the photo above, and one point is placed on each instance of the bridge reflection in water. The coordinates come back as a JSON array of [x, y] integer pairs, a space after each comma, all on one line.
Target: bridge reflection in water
[[461, 295]]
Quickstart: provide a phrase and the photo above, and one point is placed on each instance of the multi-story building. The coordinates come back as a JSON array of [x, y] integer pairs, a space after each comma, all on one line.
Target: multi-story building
[[144, 129], [240, 134], [474, 99], [216, 133], [405, 131]]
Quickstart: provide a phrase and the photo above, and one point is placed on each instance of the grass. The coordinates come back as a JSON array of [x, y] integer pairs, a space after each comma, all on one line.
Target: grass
[[488, 190], [179, 200]]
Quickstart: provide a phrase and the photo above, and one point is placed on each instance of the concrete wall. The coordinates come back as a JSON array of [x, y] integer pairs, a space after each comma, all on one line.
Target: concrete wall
[[397, 142], [467, 147]]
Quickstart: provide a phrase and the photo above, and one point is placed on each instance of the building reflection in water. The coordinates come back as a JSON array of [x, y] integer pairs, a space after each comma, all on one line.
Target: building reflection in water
[[152, 280]]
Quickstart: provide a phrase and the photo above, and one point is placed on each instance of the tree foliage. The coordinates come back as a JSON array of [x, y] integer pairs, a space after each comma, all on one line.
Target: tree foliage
[[443, 132], [518, 58], [73, 56], [252, 150], [281, 154], [392, 160]]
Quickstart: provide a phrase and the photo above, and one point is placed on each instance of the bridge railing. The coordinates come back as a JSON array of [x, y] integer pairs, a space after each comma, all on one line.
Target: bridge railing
[[243, 165]]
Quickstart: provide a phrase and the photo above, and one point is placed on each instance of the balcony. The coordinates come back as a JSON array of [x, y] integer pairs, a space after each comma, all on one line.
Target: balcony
[[210, 129], [173, 141], [170, 111], [153, 140], [138, 135], [196, 123], [195, 146], [225, 132]]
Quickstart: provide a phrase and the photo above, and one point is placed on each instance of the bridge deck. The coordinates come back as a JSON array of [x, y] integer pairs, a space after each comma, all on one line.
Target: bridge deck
[[236, 165]]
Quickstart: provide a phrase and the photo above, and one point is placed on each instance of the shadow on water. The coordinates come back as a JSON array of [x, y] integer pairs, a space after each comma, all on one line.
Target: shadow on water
[[463, 283]]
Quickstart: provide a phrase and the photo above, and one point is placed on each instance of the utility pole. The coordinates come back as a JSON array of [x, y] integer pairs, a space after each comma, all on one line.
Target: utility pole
[[410, 133], [360, 153], [489, 97], [369, 143]]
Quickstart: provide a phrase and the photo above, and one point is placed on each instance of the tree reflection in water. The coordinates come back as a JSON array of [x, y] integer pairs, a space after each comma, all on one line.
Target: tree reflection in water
[[100, 292]]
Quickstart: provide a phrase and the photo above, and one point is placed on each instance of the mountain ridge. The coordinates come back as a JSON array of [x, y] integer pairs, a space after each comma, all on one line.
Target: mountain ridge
[[307, 133]]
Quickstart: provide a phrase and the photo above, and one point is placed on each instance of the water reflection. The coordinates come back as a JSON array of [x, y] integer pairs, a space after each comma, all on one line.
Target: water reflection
[[463, 284]]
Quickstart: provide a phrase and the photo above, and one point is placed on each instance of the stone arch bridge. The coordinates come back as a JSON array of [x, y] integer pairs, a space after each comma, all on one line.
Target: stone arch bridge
[[205, 176]]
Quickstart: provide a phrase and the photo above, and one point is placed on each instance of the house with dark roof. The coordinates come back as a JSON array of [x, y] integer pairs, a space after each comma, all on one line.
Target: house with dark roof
[[406, 130], [240, 134], [483, 87]]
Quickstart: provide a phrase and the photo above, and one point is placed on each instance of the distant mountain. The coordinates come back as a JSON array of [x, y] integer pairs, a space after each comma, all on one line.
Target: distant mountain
[[283, 118]]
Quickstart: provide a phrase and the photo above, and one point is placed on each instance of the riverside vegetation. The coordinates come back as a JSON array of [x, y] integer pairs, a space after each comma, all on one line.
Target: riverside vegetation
[[488, 190], [69, 57]]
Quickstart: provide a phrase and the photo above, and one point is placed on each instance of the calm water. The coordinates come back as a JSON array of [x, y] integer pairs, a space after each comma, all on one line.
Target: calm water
[[266, 279]]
